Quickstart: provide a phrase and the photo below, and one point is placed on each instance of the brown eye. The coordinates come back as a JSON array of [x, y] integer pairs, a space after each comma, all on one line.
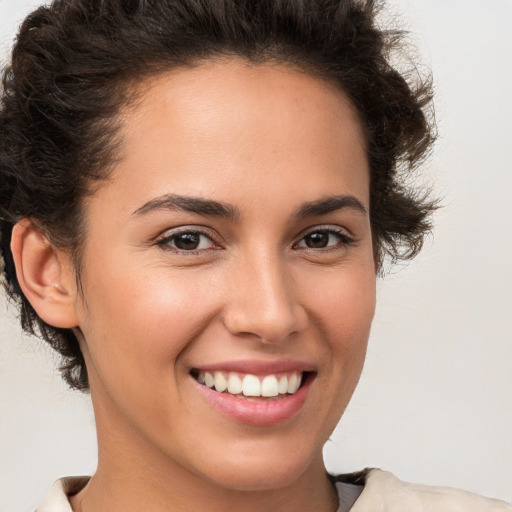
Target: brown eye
[[324, 239], [317, 240], [187, 241]]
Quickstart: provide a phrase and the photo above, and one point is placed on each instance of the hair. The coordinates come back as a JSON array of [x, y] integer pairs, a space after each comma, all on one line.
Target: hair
[[75, 61]]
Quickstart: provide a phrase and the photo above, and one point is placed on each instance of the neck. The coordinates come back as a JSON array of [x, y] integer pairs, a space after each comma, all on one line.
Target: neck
[[127, 493], [133, 475]]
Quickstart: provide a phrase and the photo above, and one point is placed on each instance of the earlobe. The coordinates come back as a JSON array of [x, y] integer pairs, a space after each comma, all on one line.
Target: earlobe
[[45, 275]]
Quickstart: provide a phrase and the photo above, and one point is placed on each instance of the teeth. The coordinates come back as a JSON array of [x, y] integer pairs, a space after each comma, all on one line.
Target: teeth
[[269, 386], [283, 385], [220, 382], [208, 379], [294, 383], [250, 385], [234, 384]]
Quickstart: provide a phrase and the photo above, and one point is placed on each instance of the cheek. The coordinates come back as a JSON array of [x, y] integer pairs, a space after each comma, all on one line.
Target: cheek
[[136, 329], [344, 311], [142, 319], [344, 303]]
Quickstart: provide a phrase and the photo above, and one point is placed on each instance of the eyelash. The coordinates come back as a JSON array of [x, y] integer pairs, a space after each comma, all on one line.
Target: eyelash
[[343, 238], [165, 241]]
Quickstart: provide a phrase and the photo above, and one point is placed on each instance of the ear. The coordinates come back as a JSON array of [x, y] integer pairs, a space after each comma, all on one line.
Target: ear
[[45, 275]]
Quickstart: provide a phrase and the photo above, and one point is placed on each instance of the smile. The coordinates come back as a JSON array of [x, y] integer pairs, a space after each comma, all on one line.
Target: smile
[[258, 393], [249, 385]]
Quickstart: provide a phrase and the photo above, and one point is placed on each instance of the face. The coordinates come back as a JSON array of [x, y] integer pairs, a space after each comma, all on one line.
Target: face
[[230, 248]]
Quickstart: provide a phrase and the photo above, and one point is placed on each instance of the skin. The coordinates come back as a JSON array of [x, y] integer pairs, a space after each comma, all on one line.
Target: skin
[[266, 140]]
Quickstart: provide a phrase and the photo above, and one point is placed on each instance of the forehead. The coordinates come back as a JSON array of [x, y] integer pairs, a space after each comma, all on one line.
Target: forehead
[[222, 124], [232, 89]]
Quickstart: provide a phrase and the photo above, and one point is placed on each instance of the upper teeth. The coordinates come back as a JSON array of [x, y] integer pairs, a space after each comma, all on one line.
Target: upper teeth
[[251, 385]]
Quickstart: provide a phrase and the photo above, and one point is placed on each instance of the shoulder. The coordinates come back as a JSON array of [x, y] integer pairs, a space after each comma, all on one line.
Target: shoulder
[[384, 492]]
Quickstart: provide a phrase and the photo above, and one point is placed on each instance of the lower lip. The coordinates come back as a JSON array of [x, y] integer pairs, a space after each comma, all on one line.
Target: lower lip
[[262, 413]]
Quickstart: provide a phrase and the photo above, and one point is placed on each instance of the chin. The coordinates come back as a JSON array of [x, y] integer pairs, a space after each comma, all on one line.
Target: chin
[[247, 479], [264, 472]]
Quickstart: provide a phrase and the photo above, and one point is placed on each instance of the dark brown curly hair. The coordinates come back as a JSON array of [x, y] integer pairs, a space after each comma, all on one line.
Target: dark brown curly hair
[[74, 62]]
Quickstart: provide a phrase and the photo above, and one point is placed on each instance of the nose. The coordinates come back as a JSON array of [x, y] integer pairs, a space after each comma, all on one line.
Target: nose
[[263, 302]]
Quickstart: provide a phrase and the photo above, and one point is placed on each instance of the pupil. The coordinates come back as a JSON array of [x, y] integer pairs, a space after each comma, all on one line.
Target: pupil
[[317, 240], [187, 241]]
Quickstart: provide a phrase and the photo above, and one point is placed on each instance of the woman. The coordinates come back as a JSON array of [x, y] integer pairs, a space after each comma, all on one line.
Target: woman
[[197, 199]]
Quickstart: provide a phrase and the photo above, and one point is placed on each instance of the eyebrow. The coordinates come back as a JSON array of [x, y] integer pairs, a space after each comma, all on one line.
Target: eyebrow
[[213, 208], [189, 204], [329, 205]]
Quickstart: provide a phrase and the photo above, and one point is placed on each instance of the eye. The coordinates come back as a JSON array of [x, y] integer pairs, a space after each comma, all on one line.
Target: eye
[[324, 239], [187, 241]]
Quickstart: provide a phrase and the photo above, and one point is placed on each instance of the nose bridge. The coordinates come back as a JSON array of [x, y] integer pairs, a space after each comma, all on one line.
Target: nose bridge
[[264, 302]]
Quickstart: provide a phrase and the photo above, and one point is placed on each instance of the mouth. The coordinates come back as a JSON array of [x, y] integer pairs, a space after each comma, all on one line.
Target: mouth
[[251, 387], [257, 393]]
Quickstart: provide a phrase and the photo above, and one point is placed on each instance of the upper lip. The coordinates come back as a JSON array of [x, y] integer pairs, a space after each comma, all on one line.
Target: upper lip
[[257, 367]]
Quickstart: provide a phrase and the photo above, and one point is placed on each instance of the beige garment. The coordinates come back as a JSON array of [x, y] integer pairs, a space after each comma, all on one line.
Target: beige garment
[[57, 499], [382, 492]]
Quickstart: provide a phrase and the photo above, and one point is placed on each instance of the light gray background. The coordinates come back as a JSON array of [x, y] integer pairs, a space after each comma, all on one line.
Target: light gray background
[[435, 401]]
